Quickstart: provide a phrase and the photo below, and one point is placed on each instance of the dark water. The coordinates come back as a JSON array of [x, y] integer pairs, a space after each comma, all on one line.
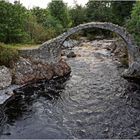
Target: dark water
[[93, 102]]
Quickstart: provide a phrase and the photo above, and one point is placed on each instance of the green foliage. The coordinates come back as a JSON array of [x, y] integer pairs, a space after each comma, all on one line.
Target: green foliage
[[98, 11], [41, 14], [133, 24], [8, 56], [58, 10], [12, 22], [77, 15], [121, 11], [53, 26], [36, 32], [19, 25], [109, 11]]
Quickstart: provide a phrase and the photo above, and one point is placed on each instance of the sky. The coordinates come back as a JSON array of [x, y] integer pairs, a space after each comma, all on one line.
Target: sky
[[43, 3]]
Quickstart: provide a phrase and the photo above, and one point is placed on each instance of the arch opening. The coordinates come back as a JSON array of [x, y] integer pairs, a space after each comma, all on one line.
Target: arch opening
[[128, 39]]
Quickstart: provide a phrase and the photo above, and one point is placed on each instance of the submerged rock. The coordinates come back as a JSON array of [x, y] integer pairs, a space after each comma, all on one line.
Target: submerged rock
[[63, 53], [71, 54], [5, 77]]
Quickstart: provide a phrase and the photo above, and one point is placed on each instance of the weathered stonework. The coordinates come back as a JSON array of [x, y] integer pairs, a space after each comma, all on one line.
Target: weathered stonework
[[50, 51]]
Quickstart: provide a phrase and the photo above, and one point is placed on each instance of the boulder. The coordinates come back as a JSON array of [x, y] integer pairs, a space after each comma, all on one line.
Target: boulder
[[5, 77], [26, 71], [71, 54], [23, 71], [133, 72], [61, 68]]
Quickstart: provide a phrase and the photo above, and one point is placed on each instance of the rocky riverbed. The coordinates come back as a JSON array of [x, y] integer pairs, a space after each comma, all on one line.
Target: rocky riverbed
[[93, 102]]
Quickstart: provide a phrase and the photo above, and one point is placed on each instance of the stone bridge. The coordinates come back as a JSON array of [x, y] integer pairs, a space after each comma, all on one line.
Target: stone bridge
[[50, 51]]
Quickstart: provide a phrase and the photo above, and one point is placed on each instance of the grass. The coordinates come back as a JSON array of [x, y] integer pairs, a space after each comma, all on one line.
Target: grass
[[21, 46], [9, 52], [8, 56]]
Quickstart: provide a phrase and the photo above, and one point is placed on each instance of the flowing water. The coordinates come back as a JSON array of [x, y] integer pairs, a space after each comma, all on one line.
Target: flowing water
[[93, 102]]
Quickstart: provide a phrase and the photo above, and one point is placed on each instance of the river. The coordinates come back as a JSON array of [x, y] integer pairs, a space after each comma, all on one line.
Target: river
[[93, 102]]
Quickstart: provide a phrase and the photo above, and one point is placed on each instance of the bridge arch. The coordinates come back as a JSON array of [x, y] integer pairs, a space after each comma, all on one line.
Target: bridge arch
[[50, 51], [132, 48]]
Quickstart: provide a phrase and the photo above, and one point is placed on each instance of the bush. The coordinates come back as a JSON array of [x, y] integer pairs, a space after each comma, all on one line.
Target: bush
[[12, 19], [36, 32], [59, 10], [53, 24], [133, 24], [8, 56]]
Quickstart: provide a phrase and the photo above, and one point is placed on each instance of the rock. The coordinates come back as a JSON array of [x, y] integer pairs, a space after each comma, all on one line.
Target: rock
[[133, 72], [78, 55], [71, 54], [43, 71], [61, 68], [5, 77], [120, 52], [63, 53], [70, 43], [99, 37], [26, 71], [23, 71]]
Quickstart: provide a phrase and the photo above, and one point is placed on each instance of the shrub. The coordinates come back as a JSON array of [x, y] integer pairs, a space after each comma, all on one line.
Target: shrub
[[12, 19], [8, 56], [133, 24], [53, 24], [36, 32]]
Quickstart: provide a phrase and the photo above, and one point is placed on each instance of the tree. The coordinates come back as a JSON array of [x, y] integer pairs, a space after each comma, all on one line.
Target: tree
[[53, 26], [36, 32], [41, 14], [58, 10], [133, 24], [98, 11], [77, 15], [121, 10], [12, 19]]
